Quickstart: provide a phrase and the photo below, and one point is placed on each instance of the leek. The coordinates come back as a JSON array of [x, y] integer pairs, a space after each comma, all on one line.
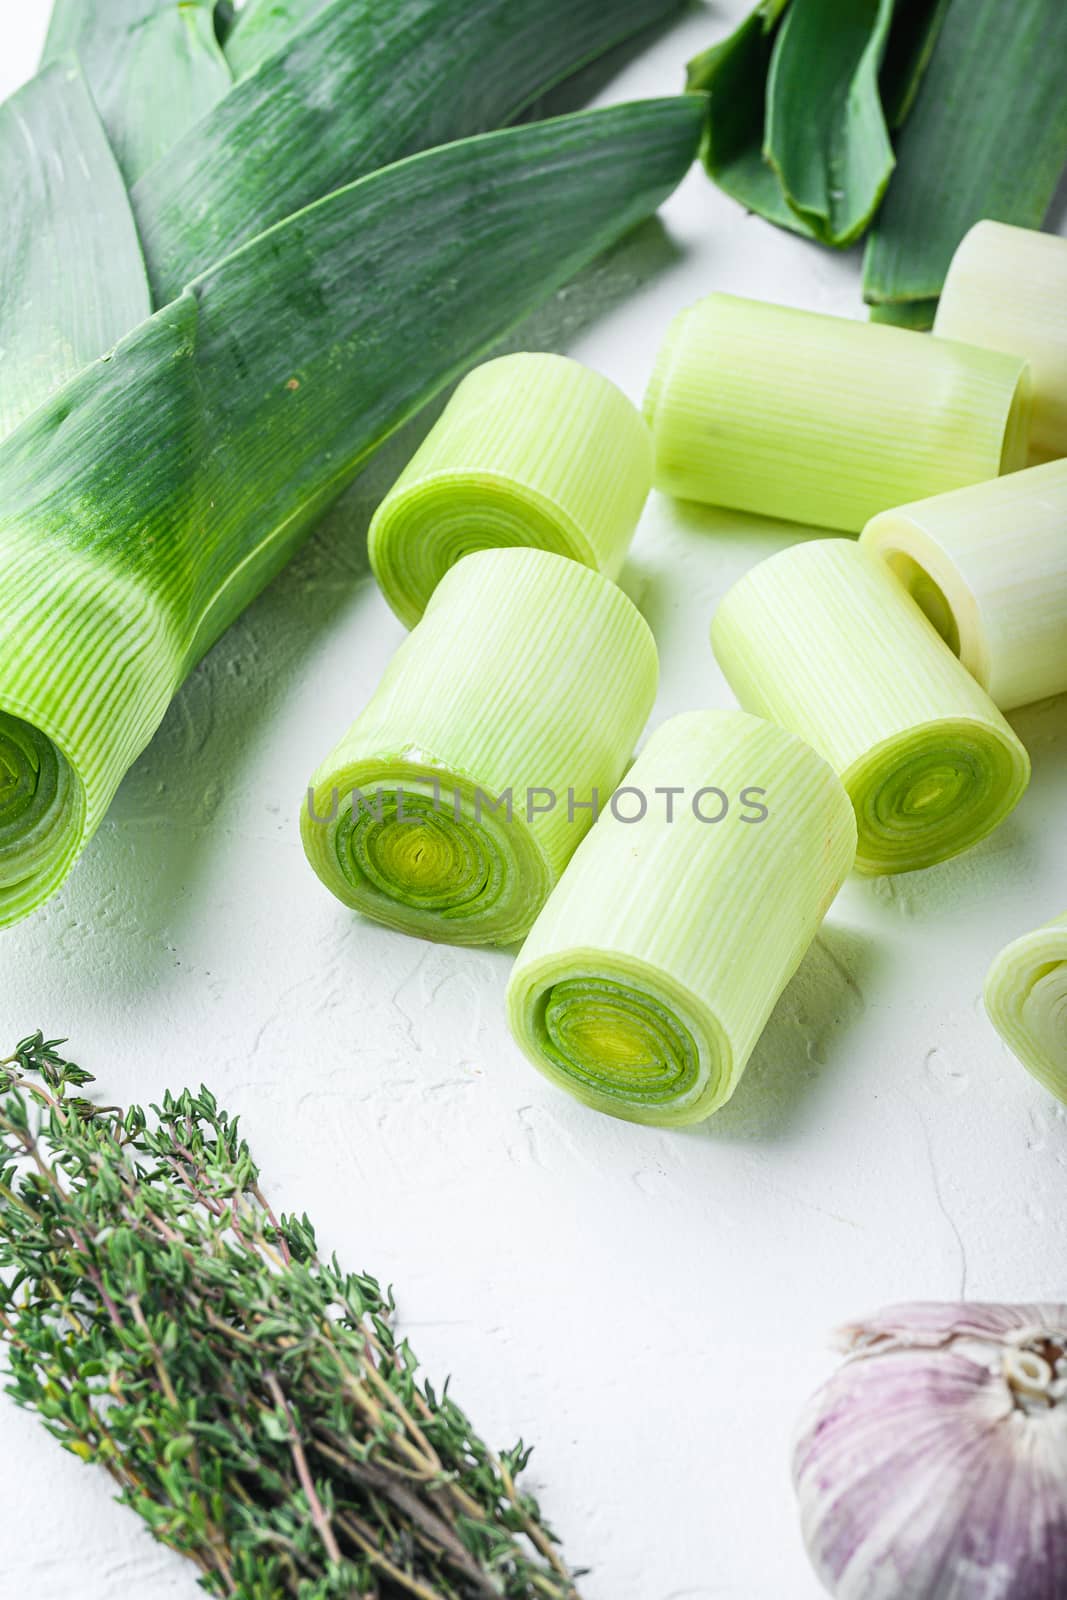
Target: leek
[[453, 803], [649, 975], [803, 95], [532, 449], [1007, 289], [988, 565], [146, 503], [987, 137], [154, 67], [72, 280], [1026, 997], [823, 639], [822, 420], [358, 87], [262, 27]]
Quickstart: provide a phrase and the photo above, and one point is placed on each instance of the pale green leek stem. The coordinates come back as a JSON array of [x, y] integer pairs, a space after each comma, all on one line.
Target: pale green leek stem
[[651, 971], [826, 421], [823, 639], [531, 449], [1007, 290], [1026, 997], [453, 803], [988, 565]]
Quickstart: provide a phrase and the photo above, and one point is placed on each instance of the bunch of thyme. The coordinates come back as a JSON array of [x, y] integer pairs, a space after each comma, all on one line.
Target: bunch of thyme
[[249, 1399]]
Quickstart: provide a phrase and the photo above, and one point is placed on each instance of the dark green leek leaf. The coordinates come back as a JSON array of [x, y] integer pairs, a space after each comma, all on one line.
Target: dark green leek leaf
[[987, 137], [154, 68], [72, 280], [734, 75], [916, 25], [826, 135], [917, 314], [264, 26], [361, 86]]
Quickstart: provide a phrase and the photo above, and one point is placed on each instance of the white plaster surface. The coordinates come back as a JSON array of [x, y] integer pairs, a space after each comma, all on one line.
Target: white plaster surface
[[652, 1309]]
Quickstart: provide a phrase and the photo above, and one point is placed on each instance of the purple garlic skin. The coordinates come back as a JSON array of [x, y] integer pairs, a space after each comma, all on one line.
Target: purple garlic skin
[[933, 1464]]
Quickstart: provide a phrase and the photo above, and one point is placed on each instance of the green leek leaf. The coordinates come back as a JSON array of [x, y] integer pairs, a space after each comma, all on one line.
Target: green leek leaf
[[987, 137], [826, 135], [154, 68], [265, 26], [733, 74], [72, 279], [361, 86], [146, 503]]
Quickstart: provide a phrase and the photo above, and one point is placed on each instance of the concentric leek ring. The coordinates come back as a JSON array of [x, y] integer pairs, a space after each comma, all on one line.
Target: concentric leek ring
[[614, 1036], [421, 533], [1026, 997], [427, 852], [931, 793], [41, 812]]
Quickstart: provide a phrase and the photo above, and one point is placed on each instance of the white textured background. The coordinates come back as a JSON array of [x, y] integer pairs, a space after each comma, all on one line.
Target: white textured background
[[651, 1309]]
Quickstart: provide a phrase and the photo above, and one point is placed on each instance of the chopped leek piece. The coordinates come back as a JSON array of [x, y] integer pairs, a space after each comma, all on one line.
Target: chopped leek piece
[[649, 975], [988, 565], [1007, 290], [531, 449], [359, 86], [154, 67], [453, 803], [72, 278], [148, 501], [823, 639], [1026, 997], [822, 420], [986, 137]]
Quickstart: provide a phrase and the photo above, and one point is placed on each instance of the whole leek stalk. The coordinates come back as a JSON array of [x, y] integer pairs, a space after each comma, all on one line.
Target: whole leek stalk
[[146, 503], [822, 420], [72, 278], [988, 565], [1026, 998], [987, 137], [531, 449], [648, 977], [823, 639], [451, 806], [1007, 289], [359, 86]]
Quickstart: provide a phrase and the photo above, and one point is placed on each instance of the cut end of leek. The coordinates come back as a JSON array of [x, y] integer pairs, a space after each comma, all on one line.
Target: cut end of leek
[[988, 566], [649, 975], [932, 792], [531, 450], [623, 1042], [1026, 998], [424, 851], [823, 639], [42, 817], [455, 800]]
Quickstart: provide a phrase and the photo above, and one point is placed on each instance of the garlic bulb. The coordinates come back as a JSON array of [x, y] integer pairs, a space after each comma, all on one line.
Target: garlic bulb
[[933, 1465]]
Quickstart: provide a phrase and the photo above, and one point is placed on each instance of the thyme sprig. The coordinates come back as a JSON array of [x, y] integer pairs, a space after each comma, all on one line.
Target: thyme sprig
[[249, 1399]]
